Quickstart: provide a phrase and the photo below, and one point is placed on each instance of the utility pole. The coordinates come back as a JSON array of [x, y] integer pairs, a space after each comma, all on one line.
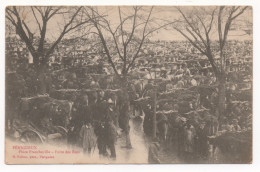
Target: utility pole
[[154, 112], [154, 107]]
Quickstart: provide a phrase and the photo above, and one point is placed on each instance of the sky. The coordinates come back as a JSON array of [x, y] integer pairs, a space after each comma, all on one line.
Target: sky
[[159, 13]]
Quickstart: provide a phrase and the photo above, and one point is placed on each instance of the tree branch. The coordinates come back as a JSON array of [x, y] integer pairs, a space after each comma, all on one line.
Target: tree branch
[[20, 31], [54, 12], [241, 12], [211, 21], [141, 43], [65, 31], [37, 21], [133, 28], [122, 31], [95, 23], [190, 40], [196, 31]]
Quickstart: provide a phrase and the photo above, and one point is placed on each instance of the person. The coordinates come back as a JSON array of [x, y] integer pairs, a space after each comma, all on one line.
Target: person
[[148, 118], [74, 125], [94, 85], [179, 70], [180, 136], [153, 156], [169, 87], [147, 88], [99, 110], [180, 84], [162, 126], [87, 137], [106, 132], [86, 134], [235, 126], [99, 107], [112, 114], [100, 131], [193, 82], [202, 141], [189, 136], [226, 127], [111, 136], [186, 70]]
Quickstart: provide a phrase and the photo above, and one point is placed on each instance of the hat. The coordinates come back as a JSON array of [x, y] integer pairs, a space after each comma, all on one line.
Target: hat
[[110, 101]]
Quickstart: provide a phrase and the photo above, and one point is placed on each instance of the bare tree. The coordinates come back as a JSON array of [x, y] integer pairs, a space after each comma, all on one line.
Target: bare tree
[[31, 24], [123, 38], [123, 33], [199, 26]]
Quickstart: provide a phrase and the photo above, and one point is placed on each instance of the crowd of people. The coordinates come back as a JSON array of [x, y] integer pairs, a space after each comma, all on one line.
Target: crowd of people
[[93, 124], [99, 112]]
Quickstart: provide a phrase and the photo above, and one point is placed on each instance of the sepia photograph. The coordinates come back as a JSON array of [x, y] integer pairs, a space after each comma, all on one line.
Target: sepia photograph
[[128, 84]]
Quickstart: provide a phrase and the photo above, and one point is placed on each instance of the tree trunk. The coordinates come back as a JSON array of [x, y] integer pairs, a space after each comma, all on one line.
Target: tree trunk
[[41, 76], [154, 114], [125, 110], [222, 96]]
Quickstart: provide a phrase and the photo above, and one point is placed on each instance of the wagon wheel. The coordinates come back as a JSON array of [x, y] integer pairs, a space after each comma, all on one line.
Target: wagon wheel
[[30, 136]]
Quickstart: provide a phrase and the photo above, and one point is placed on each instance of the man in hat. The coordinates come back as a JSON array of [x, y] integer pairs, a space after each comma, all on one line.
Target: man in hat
[[202, 143], [100, 110], [110, 129], [148, 118], [100, 131], [111, 114]]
